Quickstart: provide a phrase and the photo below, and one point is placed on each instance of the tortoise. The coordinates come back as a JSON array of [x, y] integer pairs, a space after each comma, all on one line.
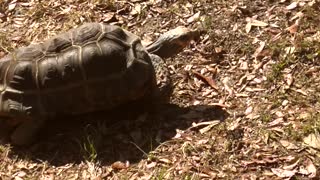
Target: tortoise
[[93, 67]]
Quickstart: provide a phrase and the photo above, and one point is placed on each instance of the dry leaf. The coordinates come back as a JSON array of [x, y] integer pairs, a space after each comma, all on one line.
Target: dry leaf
[[204, 123], [304, 115], [194, 17], [290, 50], [244, 66], [226, 82], [314, 38], [289, 79], [279, 114], [300, 91], [248, 110], [288, 144], [258, 23], [311, 168], [210, 126], [210, 81], [12, 5], [118, 165], [283, 173], [259, 49], [248, 27], [292, 166], [136, 10], [276, 37], [277, 129], [313, 140], [293, 28], [107, 17], [299, 15], [249, 89], [275, 122], [164, 160], [151, 165], [292, 6], [285, 102], [20, 174]]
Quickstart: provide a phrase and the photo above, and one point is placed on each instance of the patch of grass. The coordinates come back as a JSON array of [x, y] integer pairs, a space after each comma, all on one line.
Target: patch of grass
[[90, 143], [90, 152], [160, 174], [5, 46], [311, 14], [265, 117], [277, 70], [207, 23], [41, 11], [283, 57], [309, 52], [309, 125], [292, 133], [3, 149], [187, 148], [312, 124], [109, 4]]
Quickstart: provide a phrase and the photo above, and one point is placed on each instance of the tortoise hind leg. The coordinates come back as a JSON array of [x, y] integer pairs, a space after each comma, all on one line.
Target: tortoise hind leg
[[26, 132]]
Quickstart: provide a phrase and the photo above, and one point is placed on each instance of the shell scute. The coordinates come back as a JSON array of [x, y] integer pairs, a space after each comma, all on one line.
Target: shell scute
[[86, 33], [57, 44], [22, 76], [29, 53], [111, 60]]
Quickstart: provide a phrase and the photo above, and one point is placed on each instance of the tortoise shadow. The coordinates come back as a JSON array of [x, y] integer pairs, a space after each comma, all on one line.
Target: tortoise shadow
[[124, 134]]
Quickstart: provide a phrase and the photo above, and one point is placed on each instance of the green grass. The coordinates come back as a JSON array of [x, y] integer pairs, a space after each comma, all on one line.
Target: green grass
[[311, 124], [90, 142], [89, 148]]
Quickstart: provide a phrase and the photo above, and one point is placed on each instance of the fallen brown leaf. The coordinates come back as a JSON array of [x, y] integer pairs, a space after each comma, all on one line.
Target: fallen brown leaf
[[291, 166], [255, 22], [107, 17], [12, 5], [208, 80], [313, 140], [193, 18], [118, 165], [311, 168], [288, 144], [293, 28], [259, 49], [292, 6], [283, 173]]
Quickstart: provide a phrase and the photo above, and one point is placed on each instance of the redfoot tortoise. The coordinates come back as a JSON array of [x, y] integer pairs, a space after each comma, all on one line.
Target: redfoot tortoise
[[89, 68]]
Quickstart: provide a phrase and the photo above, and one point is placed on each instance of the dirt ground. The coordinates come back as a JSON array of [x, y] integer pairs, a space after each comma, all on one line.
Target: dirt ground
[[246, 102]]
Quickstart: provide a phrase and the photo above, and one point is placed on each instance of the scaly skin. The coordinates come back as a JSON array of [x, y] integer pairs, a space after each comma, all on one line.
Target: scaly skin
[[168, 45]]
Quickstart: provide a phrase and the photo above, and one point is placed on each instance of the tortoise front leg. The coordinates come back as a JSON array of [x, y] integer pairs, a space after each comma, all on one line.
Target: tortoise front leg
[[5, 130], [27, 131]]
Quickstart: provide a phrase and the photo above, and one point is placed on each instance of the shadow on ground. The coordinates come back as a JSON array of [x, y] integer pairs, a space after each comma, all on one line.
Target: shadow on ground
[[127, 134]]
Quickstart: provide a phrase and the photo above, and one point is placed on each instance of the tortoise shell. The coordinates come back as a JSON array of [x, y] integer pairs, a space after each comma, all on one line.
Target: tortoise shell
[[92, 67]]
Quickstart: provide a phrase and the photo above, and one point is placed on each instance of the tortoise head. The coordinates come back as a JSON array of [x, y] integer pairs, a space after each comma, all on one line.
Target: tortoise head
[[173, 41]]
